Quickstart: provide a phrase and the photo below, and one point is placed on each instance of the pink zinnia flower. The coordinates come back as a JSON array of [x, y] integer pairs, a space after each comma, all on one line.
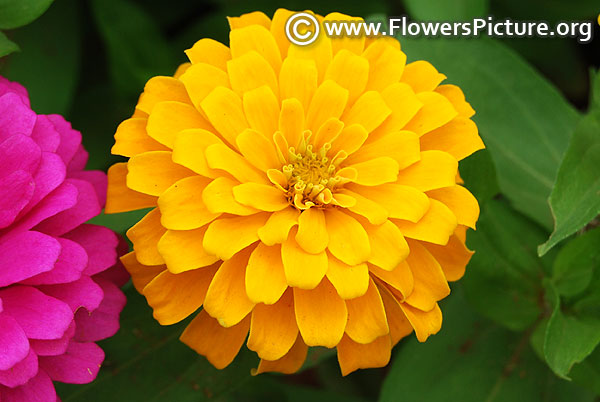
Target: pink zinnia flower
[[59, 282]]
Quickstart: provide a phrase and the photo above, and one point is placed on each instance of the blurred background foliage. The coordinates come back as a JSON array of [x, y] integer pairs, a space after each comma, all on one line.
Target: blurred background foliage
[[524, 323]]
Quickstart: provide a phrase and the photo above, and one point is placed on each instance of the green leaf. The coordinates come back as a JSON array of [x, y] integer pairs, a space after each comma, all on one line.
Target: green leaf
[[146, 362], [502, 279], [443, 10], [473, 360], [524, 121], [16, 13], [50, 61], [569, 339], [587, 373], [575, 198], [575, 263], [7, 46], [136, 48], [479, 175]]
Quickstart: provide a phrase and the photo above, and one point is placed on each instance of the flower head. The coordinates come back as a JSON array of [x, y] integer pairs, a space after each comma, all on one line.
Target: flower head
[[306, 196], [59, 286]]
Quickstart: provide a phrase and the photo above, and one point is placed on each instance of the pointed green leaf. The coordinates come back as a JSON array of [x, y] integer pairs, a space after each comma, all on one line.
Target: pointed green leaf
[[575, 198], [7, 46]]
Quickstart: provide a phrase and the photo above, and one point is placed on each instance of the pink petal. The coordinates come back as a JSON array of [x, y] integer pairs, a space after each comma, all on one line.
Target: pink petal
[[64, 197], [71, 262], [55, 346], [84, 292], [45, 134], [103, 322], [16, 191], [97, 178], [15, 117], [21, 372], [13, 342], [79, 160], [86, 208], [19, 152], [26, 254], [40, 316], [79, 365], [69, 139], [117, 274], [8, 86], [38, 389], [100, 245], [49, 175]]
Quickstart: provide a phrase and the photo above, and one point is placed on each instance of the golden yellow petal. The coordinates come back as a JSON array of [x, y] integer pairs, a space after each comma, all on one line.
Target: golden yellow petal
[[401, 202], [201, 79], [459, 137], [422, 76], [353, 356], [456, 96], [348, 240], [436, 169], [425, 323], [460, 201], [436, 111], [181, 205], [369, 110], [169, 118], [386, 64], [367, 320], [153, 172], [145, 236], [121, 198], [328, 101], [219, 241], [182, 250], [264, 197], [302, 269], [288, 364], [251, 71], [388, 246], [349, 71], [225, 112], [430, 282], [265, 277], [174, 297], [262, 110], [160, 89], [248, 19], [400, 278], [218, 344], [141, 275], [255, 38], [273, 329], [436, 226], [276, 230], [226, 298], [312, 233], [349, 281], [321, 315], [131, 138], [220, 156], [453, 257], [209, 51], [189, 148]]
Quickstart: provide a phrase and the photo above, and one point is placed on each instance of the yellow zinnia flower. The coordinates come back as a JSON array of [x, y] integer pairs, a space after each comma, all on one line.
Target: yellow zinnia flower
[[307, 196]]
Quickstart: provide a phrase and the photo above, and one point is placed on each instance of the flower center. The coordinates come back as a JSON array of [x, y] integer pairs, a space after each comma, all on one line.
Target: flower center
[[312, 175]]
